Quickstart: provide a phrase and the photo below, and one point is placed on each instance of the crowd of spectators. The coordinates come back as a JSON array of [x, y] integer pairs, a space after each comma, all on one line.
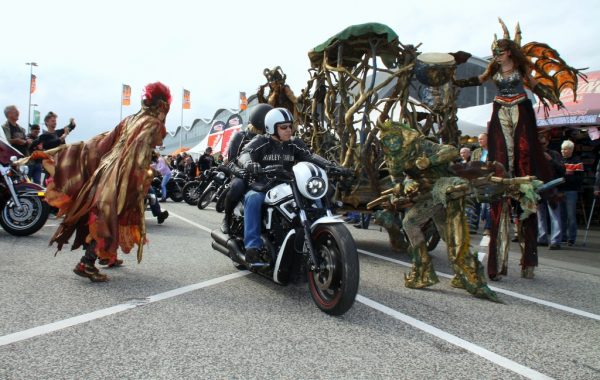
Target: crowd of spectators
[[27, 142], [557, 223]]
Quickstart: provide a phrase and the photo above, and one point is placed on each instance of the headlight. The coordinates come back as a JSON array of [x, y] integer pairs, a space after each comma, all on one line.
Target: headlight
[[316, 187], [221, 176]]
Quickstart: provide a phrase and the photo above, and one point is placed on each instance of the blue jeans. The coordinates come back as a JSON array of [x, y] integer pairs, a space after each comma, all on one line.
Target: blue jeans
[[163, 185], [486, 215], [154, 205], [545, 210], [35, 172], [568, 213], [253, 202]]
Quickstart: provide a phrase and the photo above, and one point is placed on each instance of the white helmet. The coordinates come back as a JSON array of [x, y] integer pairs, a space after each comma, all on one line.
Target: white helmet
[[277, 116]]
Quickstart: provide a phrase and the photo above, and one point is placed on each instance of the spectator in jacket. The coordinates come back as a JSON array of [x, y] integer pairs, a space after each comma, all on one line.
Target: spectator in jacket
[[547, 211], [573, 181]]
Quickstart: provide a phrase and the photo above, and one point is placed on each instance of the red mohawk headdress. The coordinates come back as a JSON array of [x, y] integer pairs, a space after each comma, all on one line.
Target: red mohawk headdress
[[157, 95]]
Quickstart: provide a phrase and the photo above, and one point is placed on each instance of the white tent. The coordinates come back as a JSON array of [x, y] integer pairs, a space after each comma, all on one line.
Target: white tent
[[473, 121]]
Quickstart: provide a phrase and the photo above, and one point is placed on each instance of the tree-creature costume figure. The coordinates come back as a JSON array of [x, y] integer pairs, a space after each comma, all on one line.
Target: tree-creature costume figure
[[280, 94], [512, 129], [424, 169], [99, 186]]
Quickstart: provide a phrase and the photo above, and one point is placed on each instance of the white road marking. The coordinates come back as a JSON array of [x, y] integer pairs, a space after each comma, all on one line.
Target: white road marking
[[453, 339], [203, 228], [59, 325], [568, 309], [554, 305]]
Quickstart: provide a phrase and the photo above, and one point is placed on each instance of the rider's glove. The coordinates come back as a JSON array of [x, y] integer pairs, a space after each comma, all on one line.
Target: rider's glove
[[253, 168]]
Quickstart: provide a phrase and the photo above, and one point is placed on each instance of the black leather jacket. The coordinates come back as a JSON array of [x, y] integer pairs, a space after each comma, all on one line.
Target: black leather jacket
[[267, 151]]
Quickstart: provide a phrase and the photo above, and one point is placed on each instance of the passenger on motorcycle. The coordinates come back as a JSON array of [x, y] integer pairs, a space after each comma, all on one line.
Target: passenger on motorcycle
[[276, 147], [238, 186]]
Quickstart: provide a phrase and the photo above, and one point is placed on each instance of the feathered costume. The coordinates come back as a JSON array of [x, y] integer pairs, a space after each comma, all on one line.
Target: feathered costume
[[99, 186]]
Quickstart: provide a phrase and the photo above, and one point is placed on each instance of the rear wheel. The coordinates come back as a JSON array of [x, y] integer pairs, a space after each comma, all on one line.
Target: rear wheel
[[335, 286], [206, 197], [190, 192]]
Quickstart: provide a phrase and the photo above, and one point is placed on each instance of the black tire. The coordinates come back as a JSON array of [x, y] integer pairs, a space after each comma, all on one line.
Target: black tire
[[220, 205], [335, 288], [26, 221], [177, 193], [206, 197], [190, 193]]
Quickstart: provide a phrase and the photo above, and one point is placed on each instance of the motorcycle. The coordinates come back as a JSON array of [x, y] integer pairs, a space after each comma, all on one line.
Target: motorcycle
[[174, 186], [193, 189], [301, 237], [216, 189], [23, 210]]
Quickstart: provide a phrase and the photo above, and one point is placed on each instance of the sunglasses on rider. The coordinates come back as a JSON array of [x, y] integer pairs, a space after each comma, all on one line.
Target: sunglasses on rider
[[283, 127]]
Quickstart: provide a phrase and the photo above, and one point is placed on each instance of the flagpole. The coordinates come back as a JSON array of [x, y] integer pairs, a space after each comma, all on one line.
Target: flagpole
[[181, 128], [31, 64], [121, 113]]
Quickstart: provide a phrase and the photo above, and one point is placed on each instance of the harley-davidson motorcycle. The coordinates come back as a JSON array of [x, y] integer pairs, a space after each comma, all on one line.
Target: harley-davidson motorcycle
[[301, 237], [217, 189], [23, 210], [174, 186]]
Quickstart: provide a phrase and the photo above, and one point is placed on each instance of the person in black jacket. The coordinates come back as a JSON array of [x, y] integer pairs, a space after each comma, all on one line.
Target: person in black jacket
[[548, 209], [52, 137], [237, 187], [573, 181], [277, 147]]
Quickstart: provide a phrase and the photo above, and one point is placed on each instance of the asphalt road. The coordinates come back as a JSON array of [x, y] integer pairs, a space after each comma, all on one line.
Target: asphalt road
[[185, 312]]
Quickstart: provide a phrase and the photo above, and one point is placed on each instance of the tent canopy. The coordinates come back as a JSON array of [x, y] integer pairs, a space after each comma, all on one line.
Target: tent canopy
[[355, 40], [180, 150]]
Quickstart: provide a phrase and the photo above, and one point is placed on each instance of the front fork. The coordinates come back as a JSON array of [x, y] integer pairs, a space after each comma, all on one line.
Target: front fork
[[313, 261], [11, 188]]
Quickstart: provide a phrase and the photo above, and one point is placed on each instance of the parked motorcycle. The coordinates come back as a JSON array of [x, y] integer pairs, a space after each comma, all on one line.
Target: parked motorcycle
[[219, 180], [301, 237], [174, 186], [23, 210], [193, 189]]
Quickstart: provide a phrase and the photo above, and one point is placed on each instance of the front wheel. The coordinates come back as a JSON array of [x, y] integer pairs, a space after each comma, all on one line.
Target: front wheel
[[27, 219], [206, 197], [190, 192], [220, 205], [176, 193], [335, 286]]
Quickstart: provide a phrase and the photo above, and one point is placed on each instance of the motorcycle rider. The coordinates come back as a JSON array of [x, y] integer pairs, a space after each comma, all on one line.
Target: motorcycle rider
[[237, 187], [276, 147]]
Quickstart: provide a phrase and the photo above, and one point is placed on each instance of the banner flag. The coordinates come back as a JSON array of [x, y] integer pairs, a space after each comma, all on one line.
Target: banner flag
[[36, 117], [243, 101], [126, 95], [32, 84], [186, 100]]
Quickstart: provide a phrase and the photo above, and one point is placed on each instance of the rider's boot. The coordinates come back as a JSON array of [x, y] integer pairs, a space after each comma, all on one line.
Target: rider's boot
[[226, 222], [253, 259]]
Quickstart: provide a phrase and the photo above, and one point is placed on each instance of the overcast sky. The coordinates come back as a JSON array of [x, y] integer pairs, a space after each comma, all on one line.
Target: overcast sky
[[87, 50]]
